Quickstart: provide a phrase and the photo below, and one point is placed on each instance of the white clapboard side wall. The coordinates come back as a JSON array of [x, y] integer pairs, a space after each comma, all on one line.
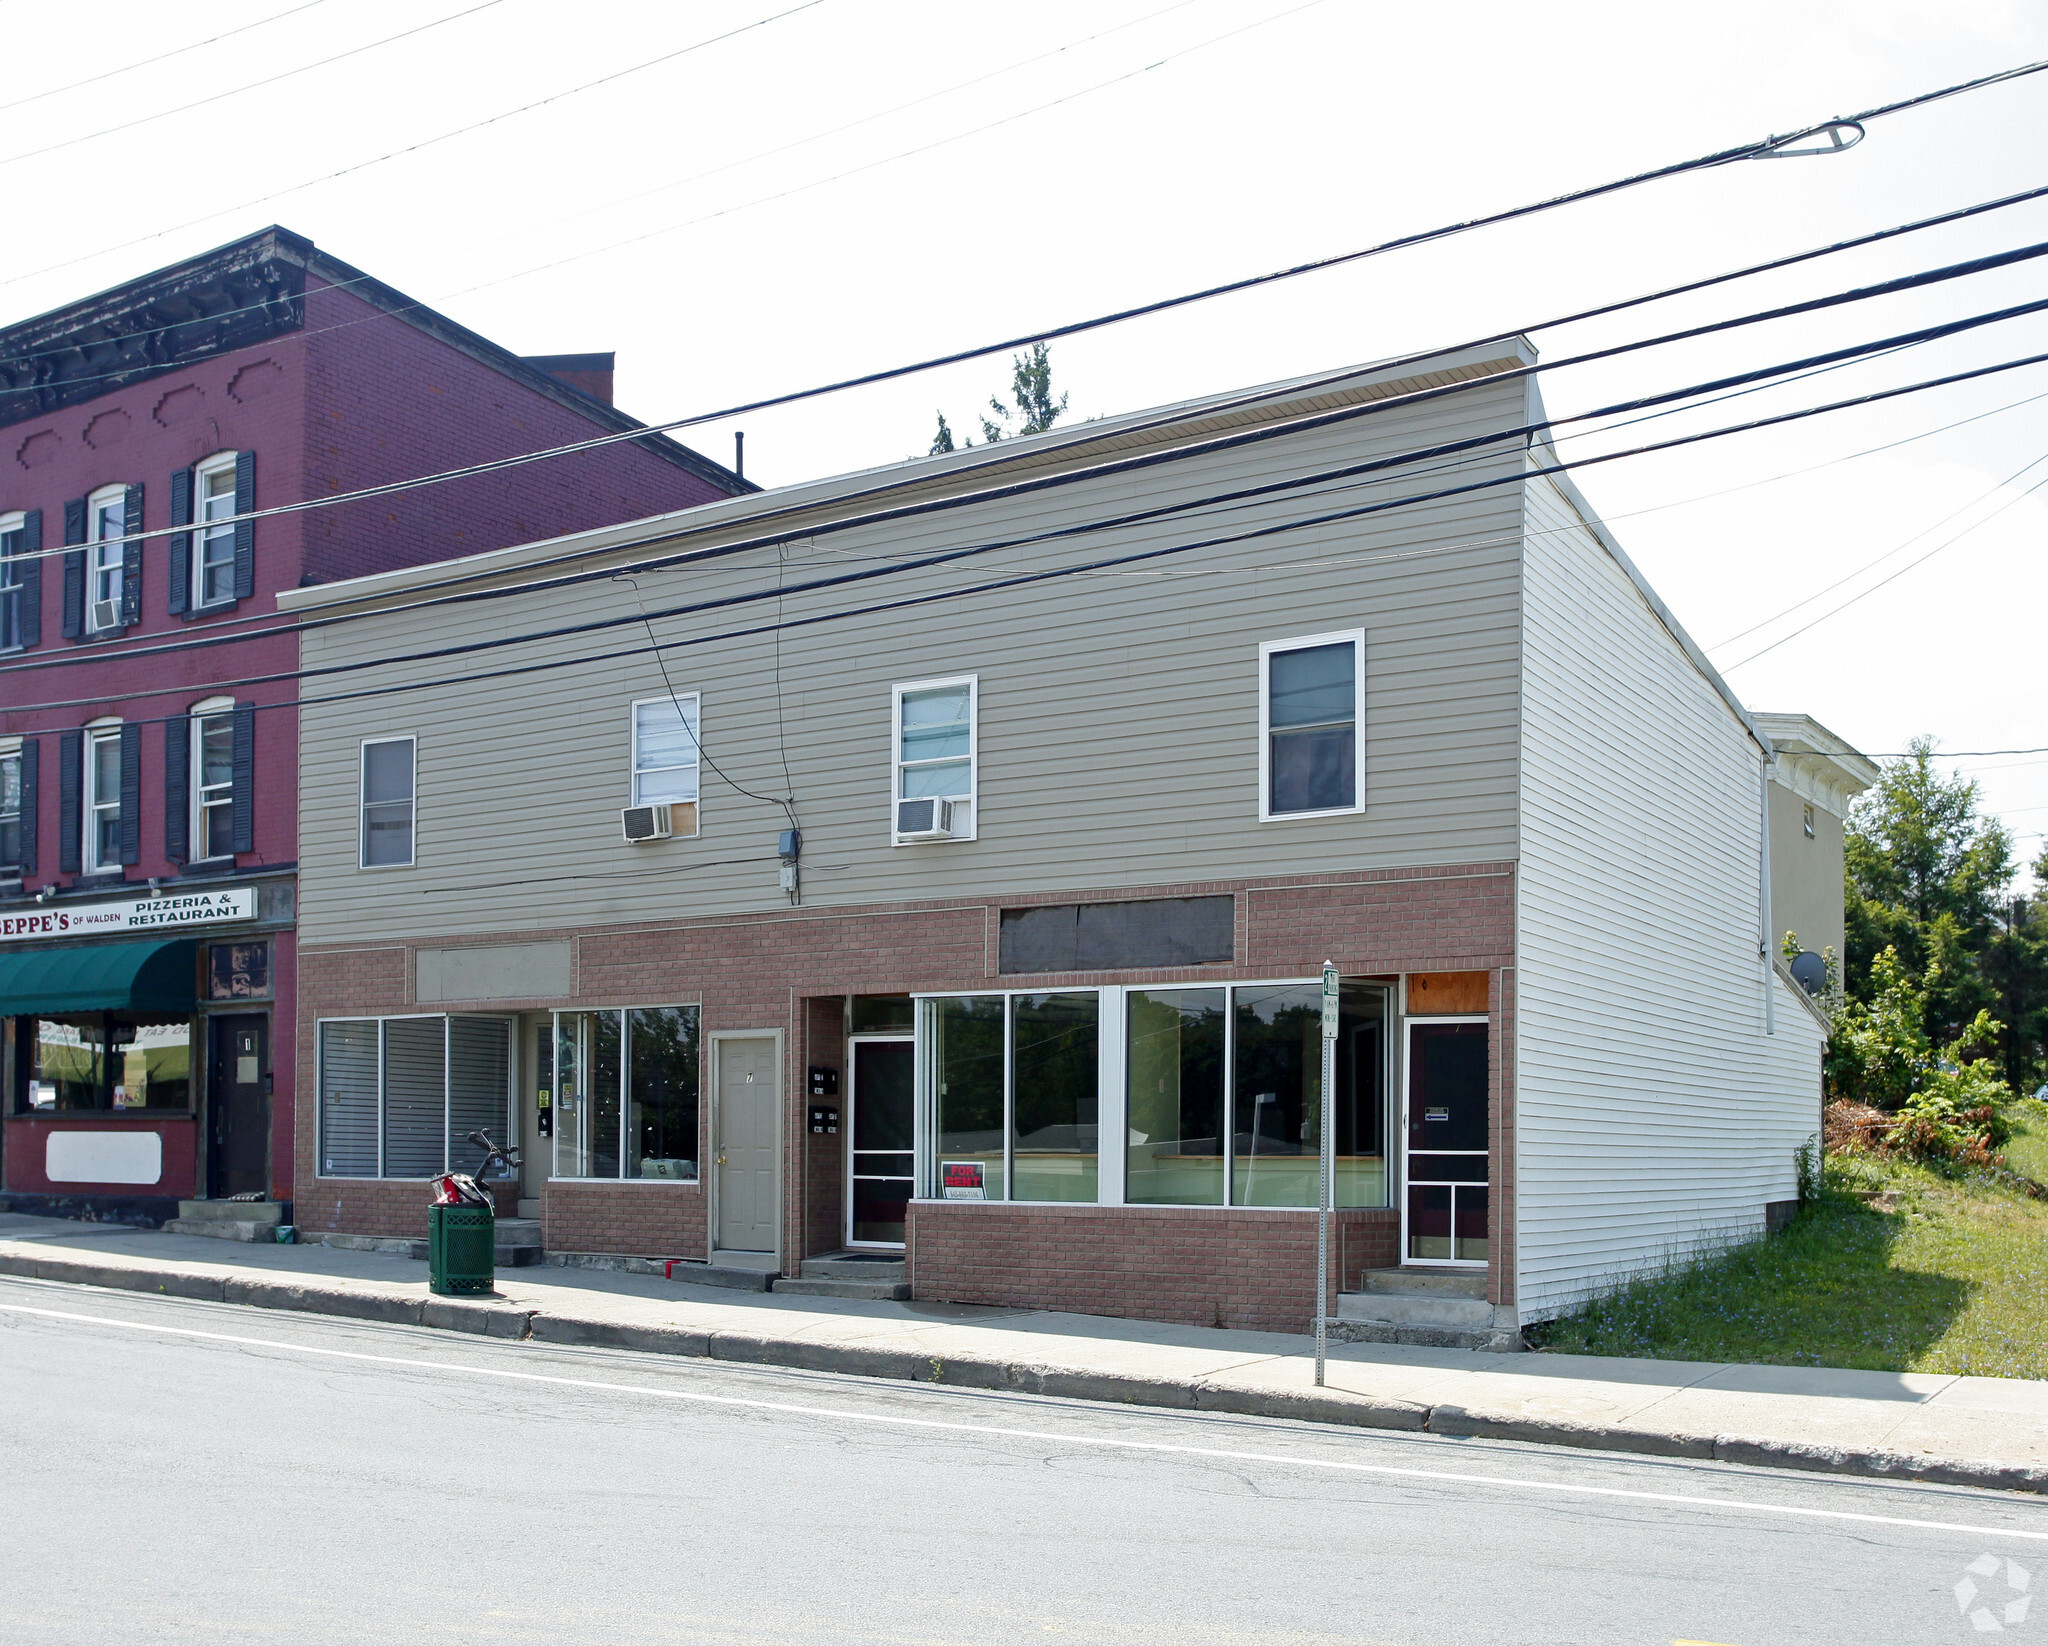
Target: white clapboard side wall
[[1655, 1115]]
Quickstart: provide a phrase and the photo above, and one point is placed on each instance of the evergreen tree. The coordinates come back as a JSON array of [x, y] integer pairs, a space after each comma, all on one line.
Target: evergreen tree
[[943, 440], [1032, 408]]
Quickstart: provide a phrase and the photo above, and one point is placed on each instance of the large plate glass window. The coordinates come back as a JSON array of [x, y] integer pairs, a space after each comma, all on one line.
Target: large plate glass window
[[937, 749], [399, 1096], [625, 1093], [666, 756], [1312, 725], [1016, 1095], [102, 1061], [102, 798], [106, 521], [387, 804], [213, 544], [13, 535]]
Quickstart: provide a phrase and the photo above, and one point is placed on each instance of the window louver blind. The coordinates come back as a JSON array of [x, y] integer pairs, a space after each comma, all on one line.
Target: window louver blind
[[479, 1086], [415, 1096], [348, 1099]]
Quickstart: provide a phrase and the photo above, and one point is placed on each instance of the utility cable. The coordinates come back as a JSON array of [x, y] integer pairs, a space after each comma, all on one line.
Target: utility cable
[[161, 57], [236, 91], [1520, 476], [567, 217], [1220, 443]]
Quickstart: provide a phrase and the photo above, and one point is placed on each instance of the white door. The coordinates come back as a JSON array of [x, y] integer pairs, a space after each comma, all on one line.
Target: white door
[[748, 1114]]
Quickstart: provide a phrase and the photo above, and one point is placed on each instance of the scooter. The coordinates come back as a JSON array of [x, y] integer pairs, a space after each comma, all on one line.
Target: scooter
[[463, 1188]]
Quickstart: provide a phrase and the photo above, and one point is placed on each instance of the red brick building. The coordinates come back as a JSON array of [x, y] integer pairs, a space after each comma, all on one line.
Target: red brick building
[[148, 735]]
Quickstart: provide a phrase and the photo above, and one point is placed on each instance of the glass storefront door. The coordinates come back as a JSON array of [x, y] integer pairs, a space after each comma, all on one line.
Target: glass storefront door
[[880, 1159], [1448, 1123]]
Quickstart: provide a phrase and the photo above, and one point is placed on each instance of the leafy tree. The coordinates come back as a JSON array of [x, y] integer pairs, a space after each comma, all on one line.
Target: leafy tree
[[1033, 409]]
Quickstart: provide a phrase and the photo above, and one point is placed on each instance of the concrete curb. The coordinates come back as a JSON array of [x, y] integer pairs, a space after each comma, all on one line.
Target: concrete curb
[[511, 1322]]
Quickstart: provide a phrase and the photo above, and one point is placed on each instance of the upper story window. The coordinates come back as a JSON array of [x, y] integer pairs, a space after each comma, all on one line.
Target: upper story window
[[10, 811], [13, 546], [106, 522], [936, 755], [213, 779], [102, 798], [665, 757], [1312, 725], [387, 804], [213, 545]]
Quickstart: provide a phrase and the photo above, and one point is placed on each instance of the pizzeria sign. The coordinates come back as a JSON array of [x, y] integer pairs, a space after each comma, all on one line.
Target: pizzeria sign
[[141, 914]]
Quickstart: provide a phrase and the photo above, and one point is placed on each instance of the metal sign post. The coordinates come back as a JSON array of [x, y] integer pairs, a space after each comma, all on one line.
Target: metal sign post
[[1326, 1164]]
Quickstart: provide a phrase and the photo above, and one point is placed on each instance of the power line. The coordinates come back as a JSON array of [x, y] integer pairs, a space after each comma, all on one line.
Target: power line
[[236, 91], [477, 125], [1520, 476], [161, 57]]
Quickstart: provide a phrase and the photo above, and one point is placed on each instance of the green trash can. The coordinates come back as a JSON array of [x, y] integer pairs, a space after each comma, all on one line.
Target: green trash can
[[462, 1242]]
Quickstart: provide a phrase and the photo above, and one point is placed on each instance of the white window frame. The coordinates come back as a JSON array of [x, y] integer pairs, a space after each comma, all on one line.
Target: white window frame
[[511, 1121], [96, 567], [220, 462], [12, 520], [92, 802], [896, 761], [363, 802], [706, 1052], [694, 725], [1298, 643], [10, 749], [214, 708]]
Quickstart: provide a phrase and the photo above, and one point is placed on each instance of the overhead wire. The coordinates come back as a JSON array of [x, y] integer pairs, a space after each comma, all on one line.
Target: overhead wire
[[1520, 475], [160, 57], [236, 91]]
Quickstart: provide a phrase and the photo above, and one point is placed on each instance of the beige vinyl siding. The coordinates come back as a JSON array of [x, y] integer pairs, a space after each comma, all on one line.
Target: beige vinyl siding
[[1655, 1117], [1118, 711]]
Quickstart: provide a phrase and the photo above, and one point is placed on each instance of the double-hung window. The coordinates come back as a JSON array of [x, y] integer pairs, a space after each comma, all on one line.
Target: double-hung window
[[387, 802], [213, 780], [13, 540], [10, 813], [1312, 726], [665, 757], [213, 545], [106, 556], [102, 798], [936, 755]]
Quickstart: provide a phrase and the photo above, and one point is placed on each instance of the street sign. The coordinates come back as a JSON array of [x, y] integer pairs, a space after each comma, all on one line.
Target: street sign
[[1329, 1001]]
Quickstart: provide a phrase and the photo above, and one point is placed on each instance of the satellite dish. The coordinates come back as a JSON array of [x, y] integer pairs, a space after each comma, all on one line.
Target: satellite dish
[[1810, 972]]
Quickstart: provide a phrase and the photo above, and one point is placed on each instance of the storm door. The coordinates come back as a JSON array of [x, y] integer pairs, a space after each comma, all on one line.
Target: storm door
[[1448, 1122], [880, 1161]]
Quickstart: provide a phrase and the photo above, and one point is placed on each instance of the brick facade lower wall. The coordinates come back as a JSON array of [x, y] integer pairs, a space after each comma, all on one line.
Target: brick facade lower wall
[[626, 1219], [1246, 1268]]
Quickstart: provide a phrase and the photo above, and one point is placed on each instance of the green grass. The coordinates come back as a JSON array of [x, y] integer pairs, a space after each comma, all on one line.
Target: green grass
[[1955, 1279]]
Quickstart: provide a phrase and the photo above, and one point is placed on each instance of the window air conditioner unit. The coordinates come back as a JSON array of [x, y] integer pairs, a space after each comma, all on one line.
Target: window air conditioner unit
[[106, 614], [924, 820], [646, 823]]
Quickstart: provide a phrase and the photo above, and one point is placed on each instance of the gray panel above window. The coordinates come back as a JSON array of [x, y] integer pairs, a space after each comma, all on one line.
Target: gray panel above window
[[1132, 935]]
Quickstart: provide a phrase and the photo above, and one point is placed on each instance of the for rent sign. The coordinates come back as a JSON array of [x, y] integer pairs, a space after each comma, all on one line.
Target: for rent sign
[[142, 914]]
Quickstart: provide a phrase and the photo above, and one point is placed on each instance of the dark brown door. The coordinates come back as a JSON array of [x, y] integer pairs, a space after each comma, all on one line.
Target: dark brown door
[[239, 1100]]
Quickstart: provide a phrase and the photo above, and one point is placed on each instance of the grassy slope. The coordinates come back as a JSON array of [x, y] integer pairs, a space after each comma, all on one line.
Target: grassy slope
[[1954, 1280]]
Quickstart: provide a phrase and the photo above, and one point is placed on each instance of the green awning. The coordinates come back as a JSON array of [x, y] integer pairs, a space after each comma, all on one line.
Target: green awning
[[99, 977]]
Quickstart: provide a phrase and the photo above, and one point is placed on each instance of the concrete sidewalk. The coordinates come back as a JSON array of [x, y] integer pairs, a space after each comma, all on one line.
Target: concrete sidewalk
[[1976, 1431]]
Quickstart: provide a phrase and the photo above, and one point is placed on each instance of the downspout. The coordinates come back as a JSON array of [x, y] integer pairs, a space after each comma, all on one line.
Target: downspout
[[1763, 882]]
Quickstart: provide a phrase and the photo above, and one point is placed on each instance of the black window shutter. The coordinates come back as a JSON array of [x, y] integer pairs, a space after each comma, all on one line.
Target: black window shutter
[[74, 572], [32, 580], [30, 793], [245, 535], [177, 788], [131, 566], [131, 793], [70, 770], [244, 813], [181, 542]]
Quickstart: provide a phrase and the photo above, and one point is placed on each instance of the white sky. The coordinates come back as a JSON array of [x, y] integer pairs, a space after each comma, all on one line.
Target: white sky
[[1322, 127]]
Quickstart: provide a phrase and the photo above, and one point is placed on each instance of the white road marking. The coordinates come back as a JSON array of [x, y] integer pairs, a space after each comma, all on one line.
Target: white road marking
[[1452, 1477]]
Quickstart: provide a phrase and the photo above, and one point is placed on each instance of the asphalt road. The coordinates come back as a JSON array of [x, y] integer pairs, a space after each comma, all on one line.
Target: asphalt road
[[174, 1471]]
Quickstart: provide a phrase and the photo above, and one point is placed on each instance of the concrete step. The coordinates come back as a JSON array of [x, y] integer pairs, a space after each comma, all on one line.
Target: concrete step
[[719, 1274], [1456, 1282], [855, 1266], [1498, 1340], [1415, 1308], [873, 1290], [229, 1211], [221, 1228]]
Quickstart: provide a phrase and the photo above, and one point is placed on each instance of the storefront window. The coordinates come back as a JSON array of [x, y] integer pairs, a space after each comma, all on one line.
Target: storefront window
[[108, 1061], [399, 1096], [1276, 1080], [966, 1050], [1174, 1045], [1056, 1061], [626, 1093]]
